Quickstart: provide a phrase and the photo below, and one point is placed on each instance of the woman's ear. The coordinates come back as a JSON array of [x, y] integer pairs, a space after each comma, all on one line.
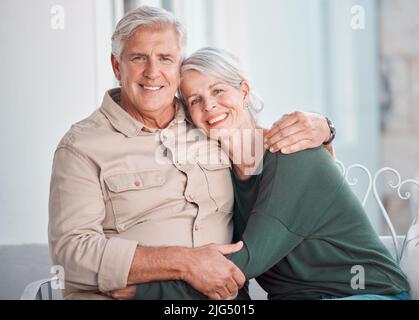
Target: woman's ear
[[245, 89]]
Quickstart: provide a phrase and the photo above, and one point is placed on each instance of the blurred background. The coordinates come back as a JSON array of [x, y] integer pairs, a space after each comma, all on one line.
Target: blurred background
[[355, 61]]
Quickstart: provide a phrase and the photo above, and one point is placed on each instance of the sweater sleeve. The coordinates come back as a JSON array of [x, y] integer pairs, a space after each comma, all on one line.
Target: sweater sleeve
[[262, 250], [293, 192]]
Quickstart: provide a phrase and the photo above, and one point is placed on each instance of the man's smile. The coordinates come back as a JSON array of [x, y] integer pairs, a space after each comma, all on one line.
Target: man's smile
[[151, 88]]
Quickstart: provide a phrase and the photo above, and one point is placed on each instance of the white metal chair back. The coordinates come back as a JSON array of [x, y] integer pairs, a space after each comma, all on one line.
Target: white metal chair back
[[398, 185], [410, 258], [414, 204], [34, 290]]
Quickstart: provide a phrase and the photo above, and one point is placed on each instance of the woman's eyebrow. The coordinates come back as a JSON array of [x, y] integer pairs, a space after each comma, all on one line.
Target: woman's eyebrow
[[214, 84], [191, 95], [209, 87]]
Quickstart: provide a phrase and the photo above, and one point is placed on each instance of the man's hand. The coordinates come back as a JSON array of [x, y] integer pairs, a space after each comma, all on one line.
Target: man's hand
[[127, 293], [211, 273], [297, 131]]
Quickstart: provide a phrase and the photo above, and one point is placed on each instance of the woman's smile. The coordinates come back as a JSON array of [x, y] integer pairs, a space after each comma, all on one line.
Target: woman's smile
[[216, 119]]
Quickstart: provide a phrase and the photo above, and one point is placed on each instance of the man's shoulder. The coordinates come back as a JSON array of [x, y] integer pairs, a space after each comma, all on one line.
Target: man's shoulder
[[85, 129]]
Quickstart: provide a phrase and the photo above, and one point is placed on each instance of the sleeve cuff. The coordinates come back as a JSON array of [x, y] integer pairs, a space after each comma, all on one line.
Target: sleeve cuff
[[116, 263]]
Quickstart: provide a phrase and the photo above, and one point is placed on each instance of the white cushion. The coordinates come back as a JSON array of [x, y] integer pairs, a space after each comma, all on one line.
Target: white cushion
[[410, 260]]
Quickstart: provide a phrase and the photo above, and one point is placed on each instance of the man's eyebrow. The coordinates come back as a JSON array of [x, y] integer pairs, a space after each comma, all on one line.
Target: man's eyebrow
[[133, 54], [140, 54]]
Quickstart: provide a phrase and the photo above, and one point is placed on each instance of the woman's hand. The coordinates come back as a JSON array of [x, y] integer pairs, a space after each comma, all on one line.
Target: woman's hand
[[296, 132]]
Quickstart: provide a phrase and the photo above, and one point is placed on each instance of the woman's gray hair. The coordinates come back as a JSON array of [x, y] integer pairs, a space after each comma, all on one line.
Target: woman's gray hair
[[145, 16], [223, 65]]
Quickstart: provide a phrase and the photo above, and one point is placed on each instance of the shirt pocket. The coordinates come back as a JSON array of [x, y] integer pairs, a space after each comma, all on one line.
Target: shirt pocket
[[133, 195], [220, 186]]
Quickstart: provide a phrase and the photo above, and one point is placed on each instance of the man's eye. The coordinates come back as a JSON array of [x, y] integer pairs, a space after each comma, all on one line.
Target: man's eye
[[166, 59], [139, 59], [218, 91]]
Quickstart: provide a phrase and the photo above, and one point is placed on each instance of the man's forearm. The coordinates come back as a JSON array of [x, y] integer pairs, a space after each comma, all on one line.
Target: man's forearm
[[205, 269], [156, 264]]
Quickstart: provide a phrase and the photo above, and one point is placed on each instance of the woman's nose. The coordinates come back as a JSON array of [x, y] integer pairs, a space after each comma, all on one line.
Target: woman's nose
[[209, 104]]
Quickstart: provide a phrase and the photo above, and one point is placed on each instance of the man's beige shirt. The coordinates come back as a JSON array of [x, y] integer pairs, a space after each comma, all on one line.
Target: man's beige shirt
[[116, 184]]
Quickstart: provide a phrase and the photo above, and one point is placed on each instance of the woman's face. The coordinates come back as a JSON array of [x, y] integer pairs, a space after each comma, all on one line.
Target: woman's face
[[213, 104]]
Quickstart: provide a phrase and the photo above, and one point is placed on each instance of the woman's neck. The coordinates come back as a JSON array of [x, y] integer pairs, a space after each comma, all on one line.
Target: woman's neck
[[245, 147]]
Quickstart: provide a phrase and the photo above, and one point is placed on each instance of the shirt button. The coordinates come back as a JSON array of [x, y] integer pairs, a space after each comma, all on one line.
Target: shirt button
[[196, 228], [137, 183]]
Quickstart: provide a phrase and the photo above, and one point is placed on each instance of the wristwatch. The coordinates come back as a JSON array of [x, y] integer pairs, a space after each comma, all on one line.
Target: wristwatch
[[332, 131]]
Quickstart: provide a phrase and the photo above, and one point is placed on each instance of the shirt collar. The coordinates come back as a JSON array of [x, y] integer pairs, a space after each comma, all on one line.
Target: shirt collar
[[126, 124]]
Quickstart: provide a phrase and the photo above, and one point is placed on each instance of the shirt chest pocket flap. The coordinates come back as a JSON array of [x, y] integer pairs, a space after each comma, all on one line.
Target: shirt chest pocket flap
[[133, 194], [138, 180]]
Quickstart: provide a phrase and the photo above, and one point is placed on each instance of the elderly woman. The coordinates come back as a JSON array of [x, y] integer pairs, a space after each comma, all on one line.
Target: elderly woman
[[303, 229]]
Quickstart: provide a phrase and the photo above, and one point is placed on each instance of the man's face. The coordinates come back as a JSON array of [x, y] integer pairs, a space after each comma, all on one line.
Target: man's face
[[149, 69]]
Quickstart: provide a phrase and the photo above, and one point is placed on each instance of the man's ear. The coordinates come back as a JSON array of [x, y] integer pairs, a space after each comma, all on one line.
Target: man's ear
[[245, 89], [116, 67]]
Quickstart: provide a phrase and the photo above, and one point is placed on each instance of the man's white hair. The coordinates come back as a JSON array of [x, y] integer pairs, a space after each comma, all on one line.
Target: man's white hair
[[223, 65], [143, 17]]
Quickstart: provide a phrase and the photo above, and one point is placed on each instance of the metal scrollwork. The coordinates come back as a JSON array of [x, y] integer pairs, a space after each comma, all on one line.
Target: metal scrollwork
[[354, 180], [397, 184]]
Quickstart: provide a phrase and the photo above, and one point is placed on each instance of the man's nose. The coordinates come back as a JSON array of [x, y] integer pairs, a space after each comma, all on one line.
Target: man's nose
[[151, 70]]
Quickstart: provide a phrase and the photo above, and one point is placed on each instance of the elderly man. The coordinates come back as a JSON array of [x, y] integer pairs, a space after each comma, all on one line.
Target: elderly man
[[120, 217]]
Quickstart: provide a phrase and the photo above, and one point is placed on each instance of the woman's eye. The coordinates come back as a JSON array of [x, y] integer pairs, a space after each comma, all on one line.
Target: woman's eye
[[218, 91], [195, 101]]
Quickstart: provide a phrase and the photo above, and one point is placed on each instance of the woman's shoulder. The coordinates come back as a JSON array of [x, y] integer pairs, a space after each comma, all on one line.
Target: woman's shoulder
[[306, 158], [304, 166]]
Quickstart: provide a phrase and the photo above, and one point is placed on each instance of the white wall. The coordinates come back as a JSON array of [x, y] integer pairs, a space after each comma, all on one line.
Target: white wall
[[49, 79], [285, 55]]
